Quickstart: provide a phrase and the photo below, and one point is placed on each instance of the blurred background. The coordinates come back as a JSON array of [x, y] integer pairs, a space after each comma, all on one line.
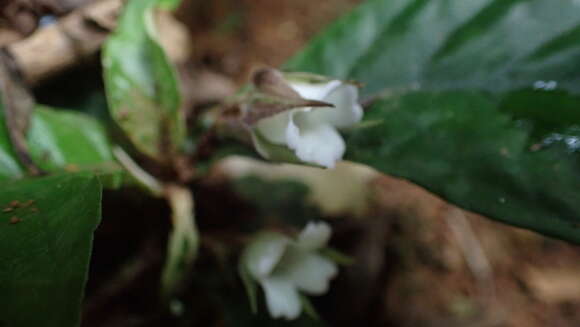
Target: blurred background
[[418, 260]]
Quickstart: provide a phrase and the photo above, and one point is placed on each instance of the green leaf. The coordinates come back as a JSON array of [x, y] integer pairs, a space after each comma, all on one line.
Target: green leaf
[[142, 89], [9, 165], [495, 45], [308, 308], [169, 4], [507, 148], [483, 152], [337, 256], [59, 140], [45, 247], [273, 151]]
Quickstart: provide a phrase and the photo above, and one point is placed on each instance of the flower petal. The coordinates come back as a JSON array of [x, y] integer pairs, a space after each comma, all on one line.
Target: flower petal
[[314, 91], [318, 144], [311, 274], [273, 128], [314, 236], [346, 112], [263, 254], [282, 298]]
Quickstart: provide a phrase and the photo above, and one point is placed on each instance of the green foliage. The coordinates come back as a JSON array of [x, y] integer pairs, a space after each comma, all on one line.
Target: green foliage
[[142, 89], [461, 146], [58, 140], [169, 4], [511, 156], [494, 45], [9, 166], [46, 245], [545, 113]]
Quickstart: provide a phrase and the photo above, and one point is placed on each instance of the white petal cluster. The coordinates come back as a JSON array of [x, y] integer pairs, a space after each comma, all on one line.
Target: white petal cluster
[[312, 133], [285, 267]]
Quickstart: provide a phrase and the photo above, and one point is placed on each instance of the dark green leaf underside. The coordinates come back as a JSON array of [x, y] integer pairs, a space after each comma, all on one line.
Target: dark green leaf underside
[[45, 255]]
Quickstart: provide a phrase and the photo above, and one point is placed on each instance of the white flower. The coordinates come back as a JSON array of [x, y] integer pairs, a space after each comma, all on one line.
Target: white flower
[[311, 133], [285, 267]]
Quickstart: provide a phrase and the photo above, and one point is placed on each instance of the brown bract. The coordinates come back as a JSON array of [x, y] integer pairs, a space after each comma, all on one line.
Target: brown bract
[[272, 95]]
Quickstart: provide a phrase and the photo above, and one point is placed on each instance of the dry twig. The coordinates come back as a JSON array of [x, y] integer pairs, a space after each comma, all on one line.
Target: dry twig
[[71, 40]]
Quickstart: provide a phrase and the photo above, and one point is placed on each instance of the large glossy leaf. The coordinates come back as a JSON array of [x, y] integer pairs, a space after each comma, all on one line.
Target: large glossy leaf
[[489, 44], [142, 90], [507, 144], [58, 140], [481, 152], [45, 246]]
